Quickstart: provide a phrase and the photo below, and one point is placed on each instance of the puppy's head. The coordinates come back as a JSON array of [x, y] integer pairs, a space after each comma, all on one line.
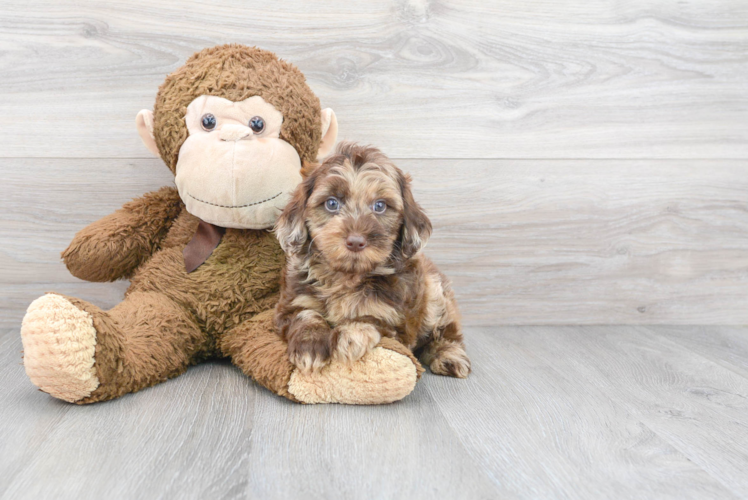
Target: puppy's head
[[357, 209]]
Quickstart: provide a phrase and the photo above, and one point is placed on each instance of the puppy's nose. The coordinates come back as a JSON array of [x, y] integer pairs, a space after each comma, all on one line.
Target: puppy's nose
[[231, 132], [355, 243]]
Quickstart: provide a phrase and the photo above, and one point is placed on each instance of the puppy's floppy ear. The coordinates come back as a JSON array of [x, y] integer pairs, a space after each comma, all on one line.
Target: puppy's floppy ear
[[416, 228], [290, 229]]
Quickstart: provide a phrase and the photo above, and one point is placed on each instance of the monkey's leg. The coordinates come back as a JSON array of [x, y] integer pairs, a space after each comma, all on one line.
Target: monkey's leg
[[76, 352], [387, 373]]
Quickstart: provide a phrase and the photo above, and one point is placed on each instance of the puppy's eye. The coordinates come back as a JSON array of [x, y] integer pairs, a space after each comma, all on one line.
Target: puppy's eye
[[257, 124], [208, 121], [332, 204], [379, 206]]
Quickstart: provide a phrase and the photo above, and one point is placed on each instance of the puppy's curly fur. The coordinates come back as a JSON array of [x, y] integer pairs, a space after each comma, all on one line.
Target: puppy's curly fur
[[353, 235]]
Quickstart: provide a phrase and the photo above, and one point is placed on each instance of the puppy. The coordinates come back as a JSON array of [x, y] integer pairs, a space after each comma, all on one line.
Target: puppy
[[353, 234]]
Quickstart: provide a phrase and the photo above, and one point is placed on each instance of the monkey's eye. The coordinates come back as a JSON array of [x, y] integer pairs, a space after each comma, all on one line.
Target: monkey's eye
[[208, 122], [332, 204], [379, 206], [257, 124]]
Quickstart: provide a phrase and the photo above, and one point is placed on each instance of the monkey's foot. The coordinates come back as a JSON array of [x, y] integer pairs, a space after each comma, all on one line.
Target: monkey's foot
[[59, 341], [385, 374]]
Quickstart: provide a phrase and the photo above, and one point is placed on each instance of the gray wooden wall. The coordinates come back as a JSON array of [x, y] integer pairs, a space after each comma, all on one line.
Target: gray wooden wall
[[583, 162]]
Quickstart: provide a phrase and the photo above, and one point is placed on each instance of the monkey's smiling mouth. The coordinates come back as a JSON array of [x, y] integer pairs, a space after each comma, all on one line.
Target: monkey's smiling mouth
[[235, 206]]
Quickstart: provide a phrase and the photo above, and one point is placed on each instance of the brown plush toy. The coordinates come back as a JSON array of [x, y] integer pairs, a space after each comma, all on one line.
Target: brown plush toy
[[237, 127]]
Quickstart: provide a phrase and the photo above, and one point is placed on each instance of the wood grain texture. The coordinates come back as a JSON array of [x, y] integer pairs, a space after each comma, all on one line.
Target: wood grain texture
[[420, 78], [724, 345], [525, 242], [184, 439], [522, 403], [549, 412], [400, 451], [671, 389], [590, 242]]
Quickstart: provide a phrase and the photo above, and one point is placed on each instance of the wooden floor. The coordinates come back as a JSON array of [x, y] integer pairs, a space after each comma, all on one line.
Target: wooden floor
[[549, 412], [583, 163]]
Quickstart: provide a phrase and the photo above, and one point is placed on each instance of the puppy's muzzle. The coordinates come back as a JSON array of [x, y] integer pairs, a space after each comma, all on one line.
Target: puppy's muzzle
[[355, 242]]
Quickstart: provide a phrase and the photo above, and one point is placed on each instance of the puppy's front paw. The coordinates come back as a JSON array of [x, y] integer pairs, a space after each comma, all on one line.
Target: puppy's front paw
[[450, 360], [310, 349], [354, 340]]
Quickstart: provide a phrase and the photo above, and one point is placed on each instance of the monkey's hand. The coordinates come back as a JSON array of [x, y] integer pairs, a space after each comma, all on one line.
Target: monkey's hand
[[113, 247]]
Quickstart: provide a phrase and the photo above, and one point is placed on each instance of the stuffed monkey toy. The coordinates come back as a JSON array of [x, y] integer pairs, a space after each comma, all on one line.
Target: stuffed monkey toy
[[238, 128]]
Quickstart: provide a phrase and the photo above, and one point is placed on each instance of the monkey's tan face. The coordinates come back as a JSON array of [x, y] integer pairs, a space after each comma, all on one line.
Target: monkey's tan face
[[234, 170]]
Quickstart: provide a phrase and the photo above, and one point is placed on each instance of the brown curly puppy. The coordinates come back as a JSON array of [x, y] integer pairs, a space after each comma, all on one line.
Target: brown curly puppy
[[353, 235]]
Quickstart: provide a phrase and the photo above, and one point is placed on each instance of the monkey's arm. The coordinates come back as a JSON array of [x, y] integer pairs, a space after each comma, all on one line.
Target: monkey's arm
[[113, 247], [387, 373]]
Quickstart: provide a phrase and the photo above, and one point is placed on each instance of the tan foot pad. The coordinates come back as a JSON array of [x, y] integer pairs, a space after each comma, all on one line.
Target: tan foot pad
[[381, 376], [59, 341]]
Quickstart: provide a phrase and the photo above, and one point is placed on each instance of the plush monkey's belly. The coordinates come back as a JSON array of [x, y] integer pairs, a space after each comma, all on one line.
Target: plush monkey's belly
[[240, 278]]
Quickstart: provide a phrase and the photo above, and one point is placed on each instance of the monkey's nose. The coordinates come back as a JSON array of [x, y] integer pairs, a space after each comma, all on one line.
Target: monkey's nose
[[231, 132], [355, 243]]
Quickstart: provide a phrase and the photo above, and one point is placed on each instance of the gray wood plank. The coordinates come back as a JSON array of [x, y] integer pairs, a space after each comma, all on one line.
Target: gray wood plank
[[689, 401], [725, 345], [211, 434], [404, 450], [445, 79], [525, 241], [545, 432], [591, 242], [186, 438], [549, 412]]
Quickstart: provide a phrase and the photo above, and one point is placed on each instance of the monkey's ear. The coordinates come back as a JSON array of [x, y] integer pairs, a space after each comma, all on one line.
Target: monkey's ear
[[290, 229], [329, 133], [416, 228], [144, 122]]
